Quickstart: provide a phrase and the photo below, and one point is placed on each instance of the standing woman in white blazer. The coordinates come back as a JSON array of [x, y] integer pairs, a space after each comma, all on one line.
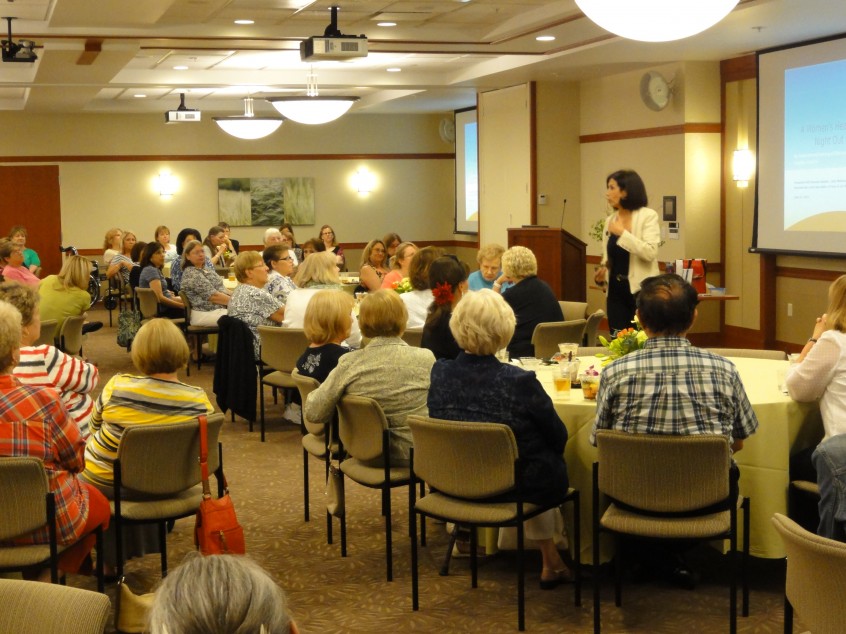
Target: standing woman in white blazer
[[629, 246]]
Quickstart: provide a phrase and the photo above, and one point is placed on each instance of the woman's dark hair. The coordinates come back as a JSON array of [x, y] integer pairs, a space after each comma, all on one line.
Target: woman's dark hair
[[212, 232], [628, 181], [273, 253], [148, 252], [289, 227], [136, 251], [418, 270], [444, 272], [184, 234], [315, 243]]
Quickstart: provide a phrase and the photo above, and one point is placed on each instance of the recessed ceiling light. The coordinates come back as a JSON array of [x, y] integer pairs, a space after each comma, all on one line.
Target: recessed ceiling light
[[139, 96], [245, 21], [180, 68], [394, 69], [545, 38], [386, 24]]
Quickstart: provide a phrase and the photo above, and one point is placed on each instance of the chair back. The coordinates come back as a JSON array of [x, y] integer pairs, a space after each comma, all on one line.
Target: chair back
[[592, 326], [360, 426], [306, 385], [48, 332], [36, 608], [466, 460], [816, 576], [148, 304], [547, 336], [776, 355], [70, 334], [23, 491], [413, 336], [573, 310], [590, 351], [281, 347], [662, 473], [187, 303], [161, 459]]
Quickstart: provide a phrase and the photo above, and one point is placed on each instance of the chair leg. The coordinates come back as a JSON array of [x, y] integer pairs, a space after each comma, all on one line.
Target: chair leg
[[163, 546], [261, 405], [788, 616], [415, 603], [521, 577], [305, 485], [733, 566], [745, 562], [343, 525], [595, 534], [577, 543], [389, 559], [422, 517], [474, 559], [618, 571]]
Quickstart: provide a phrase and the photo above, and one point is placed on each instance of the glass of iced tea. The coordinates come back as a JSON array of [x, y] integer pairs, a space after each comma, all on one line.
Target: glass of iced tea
[[562, 379]]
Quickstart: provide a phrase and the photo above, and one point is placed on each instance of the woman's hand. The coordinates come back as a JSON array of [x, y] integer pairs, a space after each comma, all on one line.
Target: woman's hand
[[820, 326], [600, 276], [615, 225]]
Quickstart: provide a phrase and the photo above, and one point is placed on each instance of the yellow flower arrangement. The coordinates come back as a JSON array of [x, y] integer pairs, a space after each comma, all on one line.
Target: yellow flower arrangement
[[626, 341], [403, 286]]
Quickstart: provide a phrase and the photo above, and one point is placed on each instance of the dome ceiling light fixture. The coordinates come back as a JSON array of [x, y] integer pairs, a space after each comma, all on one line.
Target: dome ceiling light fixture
[[249, 126], [312, 109], [656, 20]]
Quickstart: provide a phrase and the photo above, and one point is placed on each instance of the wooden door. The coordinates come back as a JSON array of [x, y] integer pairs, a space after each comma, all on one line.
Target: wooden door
[[29, 196]]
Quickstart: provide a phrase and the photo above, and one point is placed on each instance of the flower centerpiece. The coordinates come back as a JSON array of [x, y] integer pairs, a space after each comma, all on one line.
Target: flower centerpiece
[[626, 341], [403, 286]]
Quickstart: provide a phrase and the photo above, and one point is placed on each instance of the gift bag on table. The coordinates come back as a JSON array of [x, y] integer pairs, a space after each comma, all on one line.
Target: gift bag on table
[[693, 271]]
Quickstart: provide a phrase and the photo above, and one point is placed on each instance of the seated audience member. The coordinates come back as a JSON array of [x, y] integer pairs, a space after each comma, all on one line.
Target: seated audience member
[[312, 245], [700, 392], [287, 231], [66, 294], [233, 595], [531, 299], [417, 302], [821, 374], [489, 258], [34, 422], [112, 244], [47, 366], [121, 263], [162, 236], [328, 320], [12, 264], [272, 236], [318, 272], [232, 244], [373, 267], [215, 246], [476, 386], [327, 234], [280, 262], [401, 391], [156, 396], [204, 288], [250, 302], [152, 261], [135, 271], [18, 235], [448, 280], [183, 238], [400, 264]]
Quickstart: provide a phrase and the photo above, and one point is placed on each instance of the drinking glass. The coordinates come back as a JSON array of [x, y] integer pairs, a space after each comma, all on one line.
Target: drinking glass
[[562, 380]]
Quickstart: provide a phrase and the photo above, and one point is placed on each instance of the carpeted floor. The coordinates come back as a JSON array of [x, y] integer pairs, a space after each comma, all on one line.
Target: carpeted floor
[[328, 593]]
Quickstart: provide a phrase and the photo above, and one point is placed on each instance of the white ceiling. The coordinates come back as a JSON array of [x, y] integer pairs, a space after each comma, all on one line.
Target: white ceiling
[[97, 55]]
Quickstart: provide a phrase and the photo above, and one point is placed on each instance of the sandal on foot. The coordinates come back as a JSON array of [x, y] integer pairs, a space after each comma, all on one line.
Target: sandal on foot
[[561, 576]]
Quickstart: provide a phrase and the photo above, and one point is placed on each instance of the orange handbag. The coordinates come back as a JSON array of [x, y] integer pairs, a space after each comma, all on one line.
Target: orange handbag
[[217, 531]]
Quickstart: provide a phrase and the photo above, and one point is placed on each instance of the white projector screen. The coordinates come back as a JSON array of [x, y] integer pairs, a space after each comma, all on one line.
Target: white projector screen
[[801, 196], [466, 172]]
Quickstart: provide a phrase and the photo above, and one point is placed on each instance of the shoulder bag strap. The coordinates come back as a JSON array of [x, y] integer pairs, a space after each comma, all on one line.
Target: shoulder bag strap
[[204, 455]]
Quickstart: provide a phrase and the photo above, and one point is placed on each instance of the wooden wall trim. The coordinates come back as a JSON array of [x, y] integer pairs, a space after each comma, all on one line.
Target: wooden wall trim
[[669, 130], [226, 157], [807, 274], [739, 68], [533, 153], [737, 337]]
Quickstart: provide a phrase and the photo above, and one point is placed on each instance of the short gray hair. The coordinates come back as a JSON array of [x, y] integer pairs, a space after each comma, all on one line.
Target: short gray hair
[[10, 334], [271, 233], [482, 322], [519, 263], [219, 594]]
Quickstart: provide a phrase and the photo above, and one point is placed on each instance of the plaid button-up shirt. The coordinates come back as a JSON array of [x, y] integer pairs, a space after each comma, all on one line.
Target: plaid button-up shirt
[[671, 387]]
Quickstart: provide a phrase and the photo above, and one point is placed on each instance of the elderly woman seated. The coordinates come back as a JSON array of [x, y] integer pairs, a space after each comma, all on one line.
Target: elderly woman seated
[[204, 287], [477, 387], [250, 302], [328, 320], [35, 423], [152, 261], [237, 596], [12, 264], [280, 263], [48, 366], [388, 370]]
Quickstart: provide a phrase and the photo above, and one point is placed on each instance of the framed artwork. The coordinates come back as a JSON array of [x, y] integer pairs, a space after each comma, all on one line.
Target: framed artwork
[[265, 202], [669, 208]]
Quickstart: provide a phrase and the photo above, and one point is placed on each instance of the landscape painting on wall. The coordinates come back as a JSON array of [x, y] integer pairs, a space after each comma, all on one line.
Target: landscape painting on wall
[[265, 202]]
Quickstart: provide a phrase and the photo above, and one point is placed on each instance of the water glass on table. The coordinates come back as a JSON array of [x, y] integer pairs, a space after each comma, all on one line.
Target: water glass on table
[[562, 378]]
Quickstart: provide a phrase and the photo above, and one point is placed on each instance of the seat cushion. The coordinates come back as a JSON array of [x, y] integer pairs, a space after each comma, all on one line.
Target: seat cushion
[[471, 511], [179, 505], [279, 379], [28, 555], [315, 445], [630, 523], [373, 476]]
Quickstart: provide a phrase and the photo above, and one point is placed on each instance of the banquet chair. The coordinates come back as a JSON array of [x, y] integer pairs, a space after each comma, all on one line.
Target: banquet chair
[[816, 576], [465, 464], [71, 610], [198, 332], [28, 504], [48, 333], [280, 349], [69, 339], [548, 335], [413, 336], [365, 447], [236, 371], [803, 499], [668, 487], [592, 328], [573, 310], [157, 477], [590, 351], [752, 353]]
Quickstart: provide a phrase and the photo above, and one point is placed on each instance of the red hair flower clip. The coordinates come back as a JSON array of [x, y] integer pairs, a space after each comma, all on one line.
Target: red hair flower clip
[[443, 294]]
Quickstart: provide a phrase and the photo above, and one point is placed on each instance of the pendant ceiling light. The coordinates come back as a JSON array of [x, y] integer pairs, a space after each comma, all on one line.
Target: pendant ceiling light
[[249, 126], [312, 109], [656, 20]]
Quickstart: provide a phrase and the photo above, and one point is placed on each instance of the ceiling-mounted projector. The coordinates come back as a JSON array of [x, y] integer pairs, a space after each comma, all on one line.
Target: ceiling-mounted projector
[[20, 52], [182, 113], [333, 45]]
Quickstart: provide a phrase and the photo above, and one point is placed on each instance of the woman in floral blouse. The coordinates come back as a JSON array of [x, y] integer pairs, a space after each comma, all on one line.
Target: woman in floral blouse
[[250, 302], [280, 262], [204, 288]]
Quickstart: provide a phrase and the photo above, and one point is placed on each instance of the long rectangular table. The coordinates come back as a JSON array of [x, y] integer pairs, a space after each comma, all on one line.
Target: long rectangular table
[[785, 427]]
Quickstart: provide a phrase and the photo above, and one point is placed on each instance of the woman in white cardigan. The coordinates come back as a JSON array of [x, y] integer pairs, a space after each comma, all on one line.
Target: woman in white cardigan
[[629, 246]]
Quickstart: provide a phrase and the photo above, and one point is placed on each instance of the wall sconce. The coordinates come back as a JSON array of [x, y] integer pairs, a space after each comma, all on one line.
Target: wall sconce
[[364, 181], [743, 166], [166, 184]]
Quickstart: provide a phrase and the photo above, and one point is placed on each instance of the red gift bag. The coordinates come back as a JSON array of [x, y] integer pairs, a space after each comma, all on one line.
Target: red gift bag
[[696, 275]]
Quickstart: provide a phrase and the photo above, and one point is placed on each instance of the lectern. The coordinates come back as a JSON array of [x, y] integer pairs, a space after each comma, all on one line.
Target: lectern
[[561, 259]]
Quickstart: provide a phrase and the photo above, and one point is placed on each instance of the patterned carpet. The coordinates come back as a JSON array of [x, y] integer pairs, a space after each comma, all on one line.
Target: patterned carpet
[[328, 593]]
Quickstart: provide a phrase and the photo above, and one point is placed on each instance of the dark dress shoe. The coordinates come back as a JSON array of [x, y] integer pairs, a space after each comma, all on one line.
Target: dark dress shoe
[[91, 326], [684, 577]]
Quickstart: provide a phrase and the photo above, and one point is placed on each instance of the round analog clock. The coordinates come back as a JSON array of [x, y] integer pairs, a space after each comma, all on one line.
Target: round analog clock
[[655, 91], [447, 130]]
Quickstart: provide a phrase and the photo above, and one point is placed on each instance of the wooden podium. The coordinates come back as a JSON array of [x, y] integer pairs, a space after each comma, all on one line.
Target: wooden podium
[[561, 259]]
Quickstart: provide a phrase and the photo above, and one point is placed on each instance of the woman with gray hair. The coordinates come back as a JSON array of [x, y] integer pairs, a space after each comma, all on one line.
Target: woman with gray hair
[[476, 386], [220, 594], [531, 298]]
